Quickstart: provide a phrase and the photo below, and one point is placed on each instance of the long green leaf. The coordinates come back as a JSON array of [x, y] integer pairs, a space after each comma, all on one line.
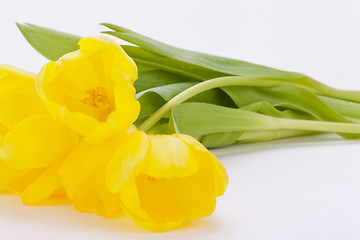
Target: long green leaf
[[199, 119], [348, 109], [216, 140], [266, 108], [227, 66], [170, 64], [219, 64], [157, 78], [50, 43], [286, 96]]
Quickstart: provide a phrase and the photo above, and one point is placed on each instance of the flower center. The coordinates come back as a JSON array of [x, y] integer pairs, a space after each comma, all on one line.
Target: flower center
[[98, 98]]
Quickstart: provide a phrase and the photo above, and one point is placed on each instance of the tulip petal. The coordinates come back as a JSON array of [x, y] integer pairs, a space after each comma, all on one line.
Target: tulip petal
[[42, 187], [83, 175], [17, 180], [125, 163], [177, 199], [207, 158], [8, 174], [18, 97], [37, 141], [169, 158]]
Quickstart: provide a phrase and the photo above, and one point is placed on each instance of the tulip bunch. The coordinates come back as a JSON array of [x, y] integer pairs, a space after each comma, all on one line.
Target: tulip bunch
[[219, 101], [68, 133]]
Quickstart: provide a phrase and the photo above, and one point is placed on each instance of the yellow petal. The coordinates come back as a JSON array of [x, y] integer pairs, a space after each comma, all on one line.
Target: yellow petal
[[17, 180], [83, 175], [18, 97], [208, 159], [177, 199], [3, 131], [169, 158], [148, 224], [8, 174], [37, 141], [113, 55], [125, 163], [42, 187]]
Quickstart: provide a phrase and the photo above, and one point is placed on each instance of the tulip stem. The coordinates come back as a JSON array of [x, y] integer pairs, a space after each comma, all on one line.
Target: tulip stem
[[199, 88]]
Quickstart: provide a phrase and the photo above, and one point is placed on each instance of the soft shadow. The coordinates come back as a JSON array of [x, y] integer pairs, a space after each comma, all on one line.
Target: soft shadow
[[63, 216], [303, 141], [69, 220]]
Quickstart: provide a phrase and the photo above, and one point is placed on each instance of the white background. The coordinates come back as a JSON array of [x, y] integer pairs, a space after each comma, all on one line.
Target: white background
[[304, 188]]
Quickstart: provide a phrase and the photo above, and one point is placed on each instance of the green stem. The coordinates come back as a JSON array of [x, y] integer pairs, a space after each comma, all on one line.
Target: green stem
[[319, 126], [201, 87], [269, 135]]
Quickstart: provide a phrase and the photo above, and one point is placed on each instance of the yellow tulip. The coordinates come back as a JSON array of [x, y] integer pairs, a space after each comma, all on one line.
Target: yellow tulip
[[91, 90], [32, 143], [164, 180], [83, 175]]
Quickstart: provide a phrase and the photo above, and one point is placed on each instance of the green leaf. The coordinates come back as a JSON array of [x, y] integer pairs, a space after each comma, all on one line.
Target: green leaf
[[220, 66], [157, 78], [285, 96], [215, 63], [266, 108], [167, 63], [50, 43], [200, 119], [152, 99], [150, 102], [217, 140], [348, 109]]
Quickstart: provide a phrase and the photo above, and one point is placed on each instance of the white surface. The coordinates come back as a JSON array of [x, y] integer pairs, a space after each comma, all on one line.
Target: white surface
[[306, 188]]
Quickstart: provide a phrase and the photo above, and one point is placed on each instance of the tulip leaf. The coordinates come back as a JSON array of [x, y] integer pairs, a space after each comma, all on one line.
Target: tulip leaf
[[198, 119], [215, 63], [157, 78], [286, 96], [50, 43], [220, 66], [266, 108], [150, 102], [216, 140], [201, 119], [153, 98], [350, 110], [169, 63]]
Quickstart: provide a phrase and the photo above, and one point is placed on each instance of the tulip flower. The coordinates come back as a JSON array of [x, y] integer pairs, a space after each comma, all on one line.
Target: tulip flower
[[32, 143], [91, 90], [164, 180]]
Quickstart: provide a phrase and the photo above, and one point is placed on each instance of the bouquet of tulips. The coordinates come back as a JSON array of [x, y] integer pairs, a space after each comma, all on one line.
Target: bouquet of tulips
[[121, 129]]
